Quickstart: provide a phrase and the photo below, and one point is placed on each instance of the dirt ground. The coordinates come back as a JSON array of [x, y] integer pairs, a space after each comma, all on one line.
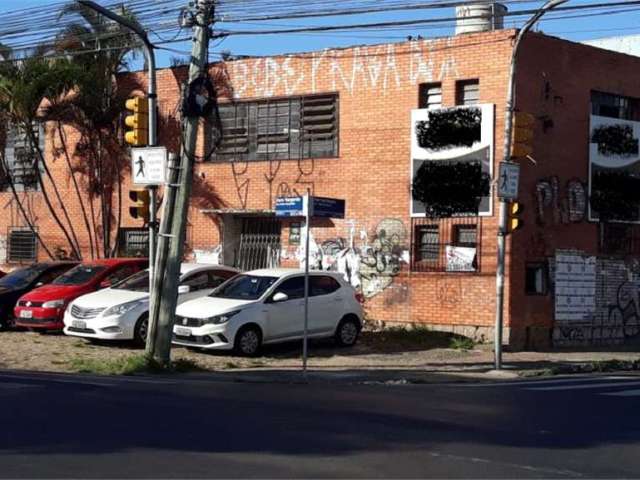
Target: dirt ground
[[375, 350]]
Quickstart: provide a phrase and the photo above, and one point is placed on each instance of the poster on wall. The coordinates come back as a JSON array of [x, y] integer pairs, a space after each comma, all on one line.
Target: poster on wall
[[575, 288], [614, 169], [462, 134], [460, 259]]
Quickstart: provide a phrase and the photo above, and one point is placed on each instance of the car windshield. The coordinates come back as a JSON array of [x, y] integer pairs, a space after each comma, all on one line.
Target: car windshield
[[244, 287], [79, 275], [138, 282], [20, 278]]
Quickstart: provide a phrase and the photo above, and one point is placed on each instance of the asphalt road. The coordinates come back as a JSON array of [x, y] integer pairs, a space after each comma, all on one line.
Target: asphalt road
[[66, 426]]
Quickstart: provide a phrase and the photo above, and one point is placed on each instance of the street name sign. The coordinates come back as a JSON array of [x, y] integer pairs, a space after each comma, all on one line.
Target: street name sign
[[327, 207]]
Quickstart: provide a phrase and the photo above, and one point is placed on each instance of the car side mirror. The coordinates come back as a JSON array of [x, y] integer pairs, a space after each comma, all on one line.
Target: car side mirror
[[280, 297], [105, 284], [182, 289]]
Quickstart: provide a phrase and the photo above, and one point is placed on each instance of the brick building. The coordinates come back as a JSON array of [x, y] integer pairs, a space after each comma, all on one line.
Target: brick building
[[343, 123]]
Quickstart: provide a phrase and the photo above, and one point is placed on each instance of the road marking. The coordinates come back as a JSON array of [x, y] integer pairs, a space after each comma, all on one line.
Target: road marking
[[547, 382], [585, 387], [624, 393]]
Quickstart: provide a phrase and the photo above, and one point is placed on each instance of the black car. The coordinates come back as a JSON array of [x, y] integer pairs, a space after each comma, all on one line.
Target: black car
[[19, 282]]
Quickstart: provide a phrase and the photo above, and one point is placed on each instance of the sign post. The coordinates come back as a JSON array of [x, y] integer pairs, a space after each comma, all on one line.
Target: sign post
[[308, 207]]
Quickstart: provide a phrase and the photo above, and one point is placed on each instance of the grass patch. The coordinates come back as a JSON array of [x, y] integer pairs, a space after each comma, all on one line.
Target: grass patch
[[462, 343], [132, 365], [395, 339]]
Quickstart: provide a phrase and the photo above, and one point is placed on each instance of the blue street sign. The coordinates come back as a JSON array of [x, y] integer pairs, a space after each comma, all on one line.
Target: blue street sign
[[289, 207], [327, 207]]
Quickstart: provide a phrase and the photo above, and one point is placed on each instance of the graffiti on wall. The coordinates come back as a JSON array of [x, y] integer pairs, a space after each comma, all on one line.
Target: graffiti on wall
[[610, 312], [555, 205], [374, 68], [370, 264]]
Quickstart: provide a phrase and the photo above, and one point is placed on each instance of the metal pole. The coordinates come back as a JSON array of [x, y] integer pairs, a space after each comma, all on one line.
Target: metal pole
[[307, 227], [502, 220], [171, 268], [152, 98]]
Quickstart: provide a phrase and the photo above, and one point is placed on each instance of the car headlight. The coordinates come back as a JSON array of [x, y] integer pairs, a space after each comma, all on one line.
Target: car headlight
[[220, 319], [120, 309], [53, 304]]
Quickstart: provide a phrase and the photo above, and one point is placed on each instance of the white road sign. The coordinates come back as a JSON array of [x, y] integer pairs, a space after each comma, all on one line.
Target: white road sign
[[508, 180], [148, 165]]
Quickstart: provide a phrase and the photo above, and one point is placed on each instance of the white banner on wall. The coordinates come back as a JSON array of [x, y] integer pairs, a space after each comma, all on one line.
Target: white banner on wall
[[575, 288]]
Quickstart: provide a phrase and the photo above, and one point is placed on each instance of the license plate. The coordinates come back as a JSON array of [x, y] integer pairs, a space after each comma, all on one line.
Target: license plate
[[26, 314], [79, 324], [183, 332]]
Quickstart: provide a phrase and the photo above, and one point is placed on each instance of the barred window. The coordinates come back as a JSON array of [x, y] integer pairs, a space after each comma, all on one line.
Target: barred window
[[279, 129], [468, 92], [428, 243], [134, 242], [465, 236], [615, 106], [22, 245]]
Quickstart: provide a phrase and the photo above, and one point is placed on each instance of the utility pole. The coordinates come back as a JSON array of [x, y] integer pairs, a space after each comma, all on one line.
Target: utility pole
[[502, 219], [170, 248]]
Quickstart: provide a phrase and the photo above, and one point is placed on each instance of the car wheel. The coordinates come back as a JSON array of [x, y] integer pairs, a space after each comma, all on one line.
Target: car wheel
[[6, 323], [141, 331], [248, 341], [347, 332]]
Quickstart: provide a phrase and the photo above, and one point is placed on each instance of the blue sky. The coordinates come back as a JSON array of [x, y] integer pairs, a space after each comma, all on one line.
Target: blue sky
[[574, 29]]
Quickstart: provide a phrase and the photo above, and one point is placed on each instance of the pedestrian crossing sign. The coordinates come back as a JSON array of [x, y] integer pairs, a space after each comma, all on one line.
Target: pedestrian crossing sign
[[148, 165]]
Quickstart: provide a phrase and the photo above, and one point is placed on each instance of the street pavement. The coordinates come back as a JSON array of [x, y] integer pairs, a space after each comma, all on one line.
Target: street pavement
[[54, 425]]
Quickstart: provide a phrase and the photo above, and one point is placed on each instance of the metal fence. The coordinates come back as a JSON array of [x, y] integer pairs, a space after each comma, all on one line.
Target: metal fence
[[431, 237]]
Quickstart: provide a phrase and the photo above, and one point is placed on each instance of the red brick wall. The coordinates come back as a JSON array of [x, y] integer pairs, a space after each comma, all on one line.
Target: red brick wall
[[556, 88]]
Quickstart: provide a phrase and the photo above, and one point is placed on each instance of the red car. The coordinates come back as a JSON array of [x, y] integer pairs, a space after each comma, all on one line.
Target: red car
[[43, 308]]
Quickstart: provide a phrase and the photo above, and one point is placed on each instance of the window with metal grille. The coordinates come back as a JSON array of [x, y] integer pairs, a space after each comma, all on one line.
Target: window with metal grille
[[431, 95], [134, 242], [279, 129], [615, 106], [427, 243], [468, 92], [465, 236], [20, 161], [22, 245]]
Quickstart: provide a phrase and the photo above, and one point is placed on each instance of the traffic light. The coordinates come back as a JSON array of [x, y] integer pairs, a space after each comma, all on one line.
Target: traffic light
[[141, 199], [515, 217], [138, 121], [522, 145]]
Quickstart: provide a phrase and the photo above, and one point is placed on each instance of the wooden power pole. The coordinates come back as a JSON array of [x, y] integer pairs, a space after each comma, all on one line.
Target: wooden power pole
[[164, 294]]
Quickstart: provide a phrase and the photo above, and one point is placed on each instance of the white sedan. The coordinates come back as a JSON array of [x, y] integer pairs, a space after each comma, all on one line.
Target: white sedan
[[267, 306], [121, 312]]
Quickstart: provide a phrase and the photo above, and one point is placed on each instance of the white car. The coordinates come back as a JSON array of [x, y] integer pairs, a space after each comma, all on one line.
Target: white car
[[267, 306], [121, 311]]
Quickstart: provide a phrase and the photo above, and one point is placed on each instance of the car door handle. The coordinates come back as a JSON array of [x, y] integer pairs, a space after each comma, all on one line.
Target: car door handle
[[338, 299]]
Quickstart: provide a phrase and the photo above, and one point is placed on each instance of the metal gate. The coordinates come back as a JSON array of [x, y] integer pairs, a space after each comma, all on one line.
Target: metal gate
[[259, 244]]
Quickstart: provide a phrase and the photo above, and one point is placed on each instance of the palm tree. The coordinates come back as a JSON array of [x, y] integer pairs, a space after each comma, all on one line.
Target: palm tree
[[24, 84], [100, 49]]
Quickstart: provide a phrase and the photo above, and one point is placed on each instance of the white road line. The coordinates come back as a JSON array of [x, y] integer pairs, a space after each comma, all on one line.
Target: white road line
[[623, 393], [548, 382], [585, 387]]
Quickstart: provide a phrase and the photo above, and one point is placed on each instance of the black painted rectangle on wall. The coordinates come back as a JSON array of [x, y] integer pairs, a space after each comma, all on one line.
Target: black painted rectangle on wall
[[450, 128]]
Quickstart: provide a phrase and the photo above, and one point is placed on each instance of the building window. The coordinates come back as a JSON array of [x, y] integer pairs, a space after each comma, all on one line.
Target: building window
[[133, 242], [430, 95], [468, 92], [22, 245], [536, 282], [615, 106], [20, 161], [427, 243], [279, 129], [294, 233], [465, 236]]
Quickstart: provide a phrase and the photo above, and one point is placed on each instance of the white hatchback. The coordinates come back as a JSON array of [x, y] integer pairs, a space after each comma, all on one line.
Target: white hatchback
[[267, 306], [121, 311]]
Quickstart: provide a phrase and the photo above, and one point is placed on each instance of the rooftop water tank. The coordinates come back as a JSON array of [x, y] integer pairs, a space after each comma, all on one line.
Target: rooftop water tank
[[480, 17]]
